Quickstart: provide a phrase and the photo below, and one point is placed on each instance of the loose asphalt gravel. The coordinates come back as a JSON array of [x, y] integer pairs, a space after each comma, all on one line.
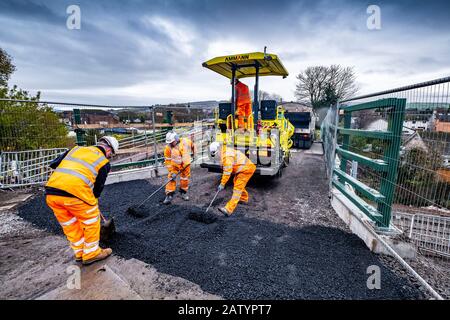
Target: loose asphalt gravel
[[242, 257]]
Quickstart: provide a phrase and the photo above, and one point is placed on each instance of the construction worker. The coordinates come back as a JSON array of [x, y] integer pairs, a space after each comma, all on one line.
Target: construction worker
[[177, 159], [243, 104], [233, 162], [72, 193]]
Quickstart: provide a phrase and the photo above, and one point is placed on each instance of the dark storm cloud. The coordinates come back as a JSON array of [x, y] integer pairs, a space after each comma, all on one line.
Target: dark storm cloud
[[152, 50], [25, 9]]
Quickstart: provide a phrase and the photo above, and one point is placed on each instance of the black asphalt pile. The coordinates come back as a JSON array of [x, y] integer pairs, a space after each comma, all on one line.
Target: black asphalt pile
[[138, 211], [238, 257], [199, 215]]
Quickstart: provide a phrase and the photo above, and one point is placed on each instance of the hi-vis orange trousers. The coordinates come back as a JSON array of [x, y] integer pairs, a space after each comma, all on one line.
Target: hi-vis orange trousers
[[239, 193], [184, 179], [80, 223]]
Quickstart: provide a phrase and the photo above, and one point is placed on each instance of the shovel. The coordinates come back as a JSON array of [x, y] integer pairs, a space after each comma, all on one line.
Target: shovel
[[199, 215], [107, 228], [135, 211]]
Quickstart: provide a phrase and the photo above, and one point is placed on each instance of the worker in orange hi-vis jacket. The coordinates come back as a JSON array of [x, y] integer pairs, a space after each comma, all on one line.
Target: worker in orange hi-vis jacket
[[177, 159], [233, 162], [72, 192], [243, 104]]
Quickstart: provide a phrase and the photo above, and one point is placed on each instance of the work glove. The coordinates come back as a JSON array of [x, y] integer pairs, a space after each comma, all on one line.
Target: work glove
[[220, 188], [173, 176]]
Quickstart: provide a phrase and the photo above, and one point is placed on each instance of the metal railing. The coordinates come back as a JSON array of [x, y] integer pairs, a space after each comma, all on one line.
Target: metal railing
[[32, 133], [26, 168], [430, 233]]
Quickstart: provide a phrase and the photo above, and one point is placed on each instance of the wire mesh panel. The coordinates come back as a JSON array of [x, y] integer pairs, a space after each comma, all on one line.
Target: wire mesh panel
[[393, 150], [421, 179], [29, 127]]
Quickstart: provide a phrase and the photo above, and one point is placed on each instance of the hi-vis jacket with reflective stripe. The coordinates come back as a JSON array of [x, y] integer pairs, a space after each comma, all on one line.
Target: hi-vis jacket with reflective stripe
[[178, 156], [233, 161], [77, 172]]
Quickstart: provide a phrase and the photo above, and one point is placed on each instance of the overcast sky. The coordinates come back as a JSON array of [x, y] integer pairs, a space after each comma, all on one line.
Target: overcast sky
[[145, 52]]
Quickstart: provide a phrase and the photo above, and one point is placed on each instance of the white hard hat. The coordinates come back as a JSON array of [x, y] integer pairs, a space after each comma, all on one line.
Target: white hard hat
[[213, 148], [171, 137], [112, 142]]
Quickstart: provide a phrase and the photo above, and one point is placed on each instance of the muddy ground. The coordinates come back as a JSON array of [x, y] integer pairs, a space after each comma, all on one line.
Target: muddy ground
[[286, 244]]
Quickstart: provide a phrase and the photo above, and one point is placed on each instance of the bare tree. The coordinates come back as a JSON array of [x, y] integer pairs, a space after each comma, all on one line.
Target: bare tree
[[264, 95], [321, 85]]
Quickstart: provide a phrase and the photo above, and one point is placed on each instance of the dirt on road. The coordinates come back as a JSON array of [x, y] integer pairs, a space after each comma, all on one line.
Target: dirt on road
[[287, 243]]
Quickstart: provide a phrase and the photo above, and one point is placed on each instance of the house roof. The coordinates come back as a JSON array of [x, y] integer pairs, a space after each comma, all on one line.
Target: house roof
[[440, 140]]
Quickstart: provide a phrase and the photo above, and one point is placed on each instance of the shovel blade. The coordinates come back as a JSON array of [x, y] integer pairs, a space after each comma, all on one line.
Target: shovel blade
[[138, 212], [107, 229], [200, 215]]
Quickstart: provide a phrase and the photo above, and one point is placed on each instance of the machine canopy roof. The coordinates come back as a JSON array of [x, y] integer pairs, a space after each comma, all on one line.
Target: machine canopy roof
[[270, 65]]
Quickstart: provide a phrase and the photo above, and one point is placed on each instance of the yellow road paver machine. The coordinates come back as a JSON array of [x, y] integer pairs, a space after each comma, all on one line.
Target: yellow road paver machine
[[266, 139]]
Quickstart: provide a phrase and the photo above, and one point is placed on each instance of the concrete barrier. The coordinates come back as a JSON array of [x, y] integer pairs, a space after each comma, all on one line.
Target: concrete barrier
[[135, 174]]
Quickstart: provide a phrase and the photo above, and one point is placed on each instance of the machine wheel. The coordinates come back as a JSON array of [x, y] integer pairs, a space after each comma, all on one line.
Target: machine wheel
[[287, 159], [279, 174]]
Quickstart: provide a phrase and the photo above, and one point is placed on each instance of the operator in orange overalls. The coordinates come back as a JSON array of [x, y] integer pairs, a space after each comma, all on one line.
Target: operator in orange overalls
[[243, 104], [72, 193], [233, 162], [177, 159]]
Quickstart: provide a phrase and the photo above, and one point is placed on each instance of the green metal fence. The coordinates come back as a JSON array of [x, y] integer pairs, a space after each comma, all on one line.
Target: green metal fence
[[388, 166], [389, 152]]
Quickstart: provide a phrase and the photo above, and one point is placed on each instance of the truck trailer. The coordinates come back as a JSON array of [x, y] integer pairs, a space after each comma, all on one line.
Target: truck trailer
[[303, 119]]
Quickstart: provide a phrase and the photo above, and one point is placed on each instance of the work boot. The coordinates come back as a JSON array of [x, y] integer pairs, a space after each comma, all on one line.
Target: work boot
[[78, 259], [184, 196], [168, 199], [105, 253], [224, 211]]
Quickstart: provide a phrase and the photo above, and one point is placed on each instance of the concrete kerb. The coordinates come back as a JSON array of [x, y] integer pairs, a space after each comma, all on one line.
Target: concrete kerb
[[364, 228], [135, 174]]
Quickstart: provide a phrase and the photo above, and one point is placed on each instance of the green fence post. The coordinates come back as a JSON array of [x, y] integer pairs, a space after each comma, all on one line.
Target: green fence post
[[79, 132], [346, 139], [169, 119], [392, 157]]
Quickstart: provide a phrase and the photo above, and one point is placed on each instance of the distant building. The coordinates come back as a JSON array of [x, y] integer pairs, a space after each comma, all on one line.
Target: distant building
[[91, 117], [442, 126], [413, 122], [441, 119], [427, 107], [418, 120], [417, 125]]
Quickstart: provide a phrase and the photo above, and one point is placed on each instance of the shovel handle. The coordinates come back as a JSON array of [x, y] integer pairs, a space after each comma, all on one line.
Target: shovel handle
[[215, 196], [154, 192], [165, 184]]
